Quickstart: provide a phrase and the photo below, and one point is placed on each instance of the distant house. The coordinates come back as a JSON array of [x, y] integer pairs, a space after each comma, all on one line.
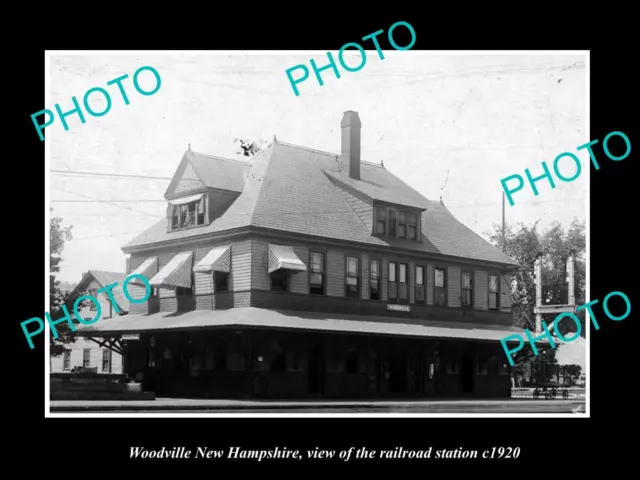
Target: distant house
[[87, 353]]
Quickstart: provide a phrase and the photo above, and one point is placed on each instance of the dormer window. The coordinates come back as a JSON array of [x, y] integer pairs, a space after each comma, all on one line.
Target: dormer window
[[412, 227], [392, 223], [187, 212], [381, 223], [402, 225], [400, 222]]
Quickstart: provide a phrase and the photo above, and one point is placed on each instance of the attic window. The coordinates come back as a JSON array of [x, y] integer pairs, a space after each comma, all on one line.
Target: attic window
[[402, 225], [412, 228], [392, 223], [186, 215], [381, 223], [398, 223]]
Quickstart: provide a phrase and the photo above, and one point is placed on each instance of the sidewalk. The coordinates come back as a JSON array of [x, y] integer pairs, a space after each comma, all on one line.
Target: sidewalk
[[168, 404]]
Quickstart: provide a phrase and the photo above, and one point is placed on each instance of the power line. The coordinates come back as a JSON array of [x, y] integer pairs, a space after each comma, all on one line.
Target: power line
[[107, 202], [106, 236], [532, 202], [116, 175]]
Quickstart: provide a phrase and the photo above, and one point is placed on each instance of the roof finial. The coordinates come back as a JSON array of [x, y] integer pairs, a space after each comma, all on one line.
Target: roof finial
[[441, 202], [189, 146], [274, 138], [382, 163]]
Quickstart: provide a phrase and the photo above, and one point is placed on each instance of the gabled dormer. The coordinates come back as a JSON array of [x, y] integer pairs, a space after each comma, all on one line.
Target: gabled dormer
[[202, 189], [397, 221]]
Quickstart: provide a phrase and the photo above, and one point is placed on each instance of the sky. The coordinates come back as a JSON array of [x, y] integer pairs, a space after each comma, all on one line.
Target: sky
[[449, 125]]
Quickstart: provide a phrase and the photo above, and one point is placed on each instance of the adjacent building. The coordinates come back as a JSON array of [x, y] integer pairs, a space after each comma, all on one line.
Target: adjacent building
[[86, 353], [303, 273]]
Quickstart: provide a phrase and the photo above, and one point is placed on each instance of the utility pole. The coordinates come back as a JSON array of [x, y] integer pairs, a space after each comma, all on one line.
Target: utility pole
[[538, 282]]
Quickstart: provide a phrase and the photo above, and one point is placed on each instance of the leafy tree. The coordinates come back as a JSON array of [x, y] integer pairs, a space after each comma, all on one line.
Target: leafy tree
[[58, 235], [249, 147], [523, 245]]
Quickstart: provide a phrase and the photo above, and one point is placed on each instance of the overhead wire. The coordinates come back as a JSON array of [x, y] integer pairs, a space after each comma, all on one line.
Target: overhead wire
[[108, 202]]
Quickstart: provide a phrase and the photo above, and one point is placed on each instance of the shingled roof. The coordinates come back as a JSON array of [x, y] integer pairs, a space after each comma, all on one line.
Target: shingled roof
[[209, 171], [298, 190], [104, 279]]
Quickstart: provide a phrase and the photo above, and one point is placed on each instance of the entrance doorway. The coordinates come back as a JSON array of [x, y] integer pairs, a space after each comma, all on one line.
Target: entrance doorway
[[466, 375], [316, 370]]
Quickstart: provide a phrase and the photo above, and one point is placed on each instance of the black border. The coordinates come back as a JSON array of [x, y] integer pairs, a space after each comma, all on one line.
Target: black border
[[82, 447]]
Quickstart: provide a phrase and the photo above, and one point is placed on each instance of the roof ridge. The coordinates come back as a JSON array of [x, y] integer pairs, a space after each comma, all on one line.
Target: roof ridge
[[220, 158], [262, 166], [337, 155]]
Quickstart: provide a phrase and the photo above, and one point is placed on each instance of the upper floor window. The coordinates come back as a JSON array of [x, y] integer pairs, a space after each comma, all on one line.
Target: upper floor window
[[402, 277], [402, 225], [374, 280], [316, 276], [494, 289], [396, 222], [392, 223], [352, 278], [185, 298], [381, 221], [220, 281], [412, 227], [419, 284], [92, 305], [279, 280], [187, 214], [440, 292], [467, 289], [393, 286]]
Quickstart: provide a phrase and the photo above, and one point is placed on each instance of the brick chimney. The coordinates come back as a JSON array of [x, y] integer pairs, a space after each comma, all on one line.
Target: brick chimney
[[351, 142]]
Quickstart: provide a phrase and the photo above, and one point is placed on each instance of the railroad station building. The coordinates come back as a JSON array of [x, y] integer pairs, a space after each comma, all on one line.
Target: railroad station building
[[306, 274]]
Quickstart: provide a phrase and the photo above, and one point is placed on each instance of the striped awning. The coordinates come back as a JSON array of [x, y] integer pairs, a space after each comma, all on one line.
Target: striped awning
[[147, 269], [284, 257], [189, 199], [176, 273], [217, 260]]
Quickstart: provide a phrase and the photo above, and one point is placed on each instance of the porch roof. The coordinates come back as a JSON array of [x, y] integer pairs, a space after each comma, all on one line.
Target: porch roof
[[297, 320]]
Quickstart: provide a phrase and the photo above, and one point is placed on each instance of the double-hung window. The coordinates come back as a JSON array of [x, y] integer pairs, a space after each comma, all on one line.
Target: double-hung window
[[393, 282], [440, 292], [412, 227], [92, 305], [352, 278], [494, 292], [420, 284], [106, 360], [374, 280], [392, 223], [381, 222], [402, 277], [402, 225], [316, 276], [467, 289], [86, 358]]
